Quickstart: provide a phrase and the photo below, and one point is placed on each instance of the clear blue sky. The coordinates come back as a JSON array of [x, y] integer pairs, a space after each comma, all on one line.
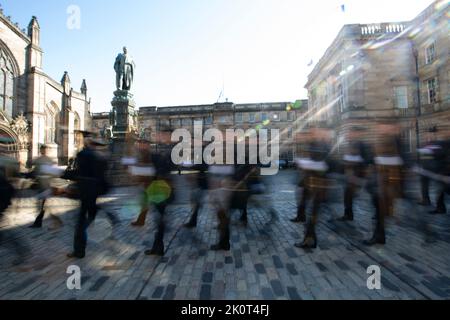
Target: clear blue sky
[[185, 50]]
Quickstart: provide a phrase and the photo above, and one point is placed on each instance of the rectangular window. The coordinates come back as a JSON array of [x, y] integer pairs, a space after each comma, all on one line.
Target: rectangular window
[[290, 133], [186, 122], [431, 88], [175, 122], [263, 117], [208, 120], [276, 116], [290, 116], [401, 97], [251, 117], [430, 54], [238, 117]]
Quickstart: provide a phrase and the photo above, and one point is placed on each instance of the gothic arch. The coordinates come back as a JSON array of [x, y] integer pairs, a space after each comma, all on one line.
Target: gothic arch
[[9, 73], [4, 48], [7, 132], [51, 122]]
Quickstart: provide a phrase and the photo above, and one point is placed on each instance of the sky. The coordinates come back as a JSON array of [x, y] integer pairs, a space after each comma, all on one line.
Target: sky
[[188, 52]]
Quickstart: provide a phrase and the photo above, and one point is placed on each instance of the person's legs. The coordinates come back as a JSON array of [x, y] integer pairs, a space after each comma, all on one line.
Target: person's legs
[[425, 187], [301, 205], [38, 222], [440, 204], [158, 243], [144, 210], [80, 237], [224, 231], [349, 194], [379, 231]]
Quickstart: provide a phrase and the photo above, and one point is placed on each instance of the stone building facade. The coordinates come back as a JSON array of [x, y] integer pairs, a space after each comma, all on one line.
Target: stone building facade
[[395, 71], [34, 108], [285, 116]]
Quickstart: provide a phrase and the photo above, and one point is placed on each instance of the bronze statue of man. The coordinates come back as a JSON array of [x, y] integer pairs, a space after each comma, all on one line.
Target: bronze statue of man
[[124, 67]]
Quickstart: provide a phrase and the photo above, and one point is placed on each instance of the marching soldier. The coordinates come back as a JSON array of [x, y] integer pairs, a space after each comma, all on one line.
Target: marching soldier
[[302, 192], [315, 182], [387, 184], [356, 162]]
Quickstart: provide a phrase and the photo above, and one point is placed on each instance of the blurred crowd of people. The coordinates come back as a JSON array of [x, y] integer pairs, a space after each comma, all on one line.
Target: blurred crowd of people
[[368, 159]]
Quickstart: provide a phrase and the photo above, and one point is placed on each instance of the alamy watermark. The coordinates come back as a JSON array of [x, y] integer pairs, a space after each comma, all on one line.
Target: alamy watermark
[[74, 280], [236, 141], [374, 280]]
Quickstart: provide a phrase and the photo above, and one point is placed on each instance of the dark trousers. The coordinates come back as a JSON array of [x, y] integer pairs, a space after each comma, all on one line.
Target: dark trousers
[[440, 205], [317, 197], [349, 195], [301, 202], [224, 228], [425, 188], [87, 214], [158, 242], [197, 200]]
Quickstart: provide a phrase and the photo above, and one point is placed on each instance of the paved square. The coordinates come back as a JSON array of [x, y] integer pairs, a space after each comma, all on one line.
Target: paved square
[[263, 263]]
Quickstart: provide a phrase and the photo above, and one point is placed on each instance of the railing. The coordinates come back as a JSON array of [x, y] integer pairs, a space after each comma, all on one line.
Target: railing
[[383, 28]]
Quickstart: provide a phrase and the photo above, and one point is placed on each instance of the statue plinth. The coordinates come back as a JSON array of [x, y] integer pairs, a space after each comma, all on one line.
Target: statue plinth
[[123, 115]]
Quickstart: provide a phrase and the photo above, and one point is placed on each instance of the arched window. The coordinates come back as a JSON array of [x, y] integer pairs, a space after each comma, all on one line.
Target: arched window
[[50, 125], [6, 84], [78, 141]]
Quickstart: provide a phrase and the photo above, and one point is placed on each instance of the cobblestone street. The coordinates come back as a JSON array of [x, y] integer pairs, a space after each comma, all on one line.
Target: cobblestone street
[[263, 262]]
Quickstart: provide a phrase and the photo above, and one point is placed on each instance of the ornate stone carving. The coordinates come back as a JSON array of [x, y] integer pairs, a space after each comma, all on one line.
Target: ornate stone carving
[[20, 126]]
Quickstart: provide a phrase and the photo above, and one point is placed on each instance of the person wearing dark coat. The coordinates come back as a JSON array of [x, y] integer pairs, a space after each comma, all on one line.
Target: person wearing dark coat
[[89, 180]]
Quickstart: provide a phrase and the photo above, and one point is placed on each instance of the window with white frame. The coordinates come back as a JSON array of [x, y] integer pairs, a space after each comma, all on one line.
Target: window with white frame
[[432, 90], [251, 117], [430, 53], [401, 97], [238, 117]]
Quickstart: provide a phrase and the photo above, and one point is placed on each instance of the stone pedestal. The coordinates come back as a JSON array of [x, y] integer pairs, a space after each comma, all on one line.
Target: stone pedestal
[[123, 114], [124, 125]]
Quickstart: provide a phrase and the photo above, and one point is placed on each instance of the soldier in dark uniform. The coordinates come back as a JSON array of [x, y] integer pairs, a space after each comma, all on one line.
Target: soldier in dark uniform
[[302, 192], [356, 162], [316, 182], [161, 191], [387, 183]]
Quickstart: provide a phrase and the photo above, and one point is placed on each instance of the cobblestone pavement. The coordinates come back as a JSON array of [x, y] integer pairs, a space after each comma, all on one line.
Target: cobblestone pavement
[[263, 263]]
